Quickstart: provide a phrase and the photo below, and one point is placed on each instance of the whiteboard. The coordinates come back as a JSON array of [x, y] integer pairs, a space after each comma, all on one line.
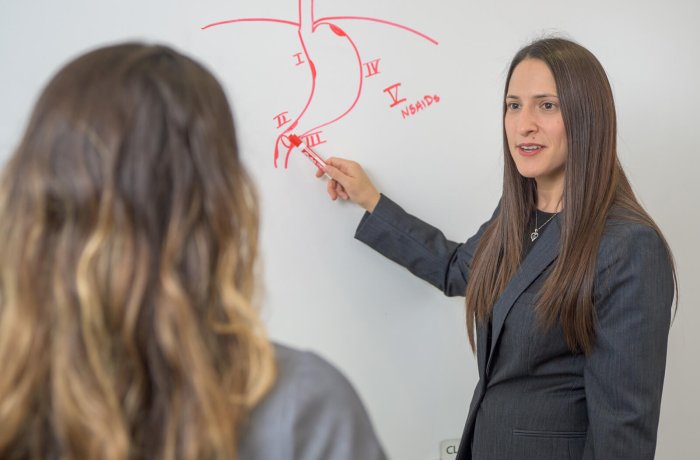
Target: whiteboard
[[401, 343]]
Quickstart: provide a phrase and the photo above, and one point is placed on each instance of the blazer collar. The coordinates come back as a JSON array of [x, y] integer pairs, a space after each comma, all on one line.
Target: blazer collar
[[538, 259]]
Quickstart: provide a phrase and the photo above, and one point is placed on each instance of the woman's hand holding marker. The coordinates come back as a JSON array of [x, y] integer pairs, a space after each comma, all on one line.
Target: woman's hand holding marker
[[350, 182]]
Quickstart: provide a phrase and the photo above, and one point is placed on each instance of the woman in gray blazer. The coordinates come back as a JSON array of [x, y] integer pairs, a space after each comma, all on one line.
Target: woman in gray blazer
[[569, 286]]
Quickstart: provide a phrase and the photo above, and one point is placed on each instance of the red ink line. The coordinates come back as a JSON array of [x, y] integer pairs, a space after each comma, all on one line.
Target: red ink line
[[312, 67], [302, 23], [382, 21], [337, 30], [313, 90], [311, 95], [359, 89], [303, 26], [395, 95], [232, 21], [372, 67]]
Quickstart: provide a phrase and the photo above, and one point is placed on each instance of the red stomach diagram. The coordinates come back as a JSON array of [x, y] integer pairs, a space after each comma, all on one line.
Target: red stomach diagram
[[329, 73]]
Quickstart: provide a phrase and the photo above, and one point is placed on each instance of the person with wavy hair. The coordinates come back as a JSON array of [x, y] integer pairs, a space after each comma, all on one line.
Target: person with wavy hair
[[128, 247], [569, 286]]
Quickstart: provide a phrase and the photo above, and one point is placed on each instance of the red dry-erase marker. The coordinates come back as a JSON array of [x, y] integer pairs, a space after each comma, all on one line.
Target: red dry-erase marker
[[308, 153]]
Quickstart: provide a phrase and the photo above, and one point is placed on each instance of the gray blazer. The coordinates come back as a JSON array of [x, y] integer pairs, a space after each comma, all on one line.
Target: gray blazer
[[535, 399], [311, 413]]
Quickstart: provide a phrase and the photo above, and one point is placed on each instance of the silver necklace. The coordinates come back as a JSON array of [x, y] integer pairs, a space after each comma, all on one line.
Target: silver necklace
[[535, 234]]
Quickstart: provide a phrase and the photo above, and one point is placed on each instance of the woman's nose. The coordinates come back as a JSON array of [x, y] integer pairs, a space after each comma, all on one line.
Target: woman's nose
[[527, 124]]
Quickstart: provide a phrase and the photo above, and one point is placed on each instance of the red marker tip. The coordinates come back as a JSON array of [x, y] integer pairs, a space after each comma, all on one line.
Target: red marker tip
[[294, 139]]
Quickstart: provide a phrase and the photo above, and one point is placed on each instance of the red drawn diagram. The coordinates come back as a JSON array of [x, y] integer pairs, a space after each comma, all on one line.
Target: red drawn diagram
[[325, 70]]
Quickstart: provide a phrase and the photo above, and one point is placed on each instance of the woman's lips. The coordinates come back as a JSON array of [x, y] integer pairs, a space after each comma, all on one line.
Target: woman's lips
[[529, 150]]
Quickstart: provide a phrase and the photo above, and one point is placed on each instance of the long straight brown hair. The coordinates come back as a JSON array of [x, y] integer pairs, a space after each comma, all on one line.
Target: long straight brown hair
[[595, 188], [128, 242]]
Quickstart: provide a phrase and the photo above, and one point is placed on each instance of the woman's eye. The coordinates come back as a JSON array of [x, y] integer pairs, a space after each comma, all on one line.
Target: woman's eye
[[513, 106], [549, 105]]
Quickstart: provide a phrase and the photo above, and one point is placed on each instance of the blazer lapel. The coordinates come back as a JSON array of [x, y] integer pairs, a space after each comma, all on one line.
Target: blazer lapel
[[540, 256], [481, 332]]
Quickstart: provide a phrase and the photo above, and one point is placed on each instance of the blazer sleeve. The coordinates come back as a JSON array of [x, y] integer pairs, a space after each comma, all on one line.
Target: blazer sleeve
[[419, 247], [624, 373]]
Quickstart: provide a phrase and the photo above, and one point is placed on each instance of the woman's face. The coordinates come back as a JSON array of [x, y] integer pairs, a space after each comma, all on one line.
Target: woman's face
[[534, 124]]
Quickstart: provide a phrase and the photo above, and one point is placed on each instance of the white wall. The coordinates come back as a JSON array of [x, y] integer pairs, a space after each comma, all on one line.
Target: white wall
[[400, 341]]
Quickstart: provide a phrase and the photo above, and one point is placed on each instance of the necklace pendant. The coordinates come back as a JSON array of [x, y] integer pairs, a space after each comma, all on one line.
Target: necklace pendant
[[534, 235]]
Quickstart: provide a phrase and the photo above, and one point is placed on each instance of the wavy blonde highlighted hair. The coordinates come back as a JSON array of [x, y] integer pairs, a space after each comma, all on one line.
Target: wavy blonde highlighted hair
[[128, 244]]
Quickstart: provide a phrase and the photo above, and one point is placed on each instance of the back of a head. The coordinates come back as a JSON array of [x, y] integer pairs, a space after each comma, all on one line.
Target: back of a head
[[128, 242]]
